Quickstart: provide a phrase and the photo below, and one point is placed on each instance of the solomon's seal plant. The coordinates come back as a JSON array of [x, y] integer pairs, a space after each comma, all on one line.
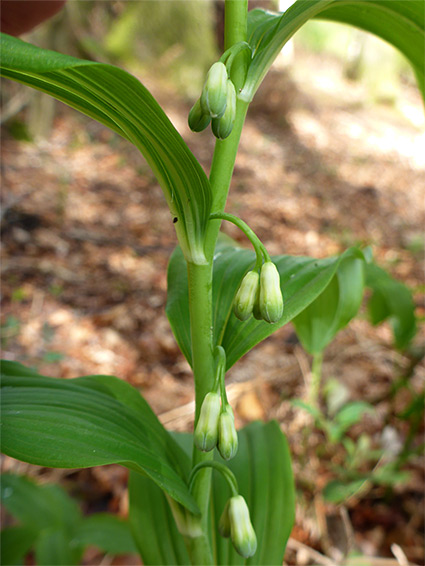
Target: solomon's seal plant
[[178, 507]]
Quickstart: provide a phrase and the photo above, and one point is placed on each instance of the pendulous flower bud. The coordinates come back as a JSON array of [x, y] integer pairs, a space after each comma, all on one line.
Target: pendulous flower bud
[[241, 530], [206, 432], [214, 93], [270, 298], [227, 435], [246, 296], [197, 120], [222, 127], [224, 522]]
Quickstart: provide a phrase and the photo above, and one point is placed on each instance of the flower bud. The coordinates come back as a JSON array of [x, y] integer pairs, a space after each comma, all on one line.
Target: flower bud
[[197, 120], [241, 530], [227, 435], [224, 522], [270, 299], [214, 93], [206, 432], [246, 296], [222, 127]]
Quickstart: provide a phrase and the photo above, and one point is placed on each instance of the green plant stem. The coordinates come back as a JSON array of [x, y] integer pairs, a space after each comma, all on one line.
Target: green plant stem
[[316, 377], [259, 247], [200, 285], [228, 475], [200, 308]]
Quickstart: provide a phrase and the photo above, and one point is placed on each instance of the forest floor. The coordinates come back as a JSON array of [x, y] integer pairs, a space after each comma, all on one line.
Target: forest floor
[[86, 241]]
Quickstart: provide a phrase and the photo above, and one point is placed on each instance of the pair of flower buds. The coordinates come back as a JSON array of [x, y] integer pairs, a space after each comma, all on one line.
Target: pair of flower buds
[[259, 294], [235, 523], [217, 103], [216, 427]]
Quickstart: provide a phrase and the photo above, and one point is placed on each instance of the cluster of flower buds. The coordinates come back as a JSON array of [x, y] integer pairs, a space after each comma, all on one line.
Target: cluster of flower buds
[[260, 295], [217, 103], [235, 523], [216, 427], [216, 423]]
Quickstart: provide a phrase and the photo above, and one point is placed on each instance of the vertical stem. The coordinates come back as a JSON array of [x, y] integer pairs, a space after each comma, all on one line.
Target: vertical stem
[[235, 30], [200, 283], [316, 376], [200, 308]]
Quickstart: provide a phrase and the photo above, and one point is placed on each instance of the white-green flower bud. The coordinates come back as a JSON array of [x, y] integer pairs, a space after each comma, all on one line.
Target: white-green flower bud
[[224, 522], [214, 93], [197, 120], [222, 127], [247, 295], [227, 435], [206, 433], [241, 530], [270, 299]]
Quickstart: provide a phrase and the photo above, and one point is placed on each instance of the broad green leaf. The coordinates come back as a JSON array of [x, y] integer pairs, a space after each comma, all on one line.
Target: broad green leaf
[[262, 467], [148, 509], [333, 309], [399, 22], [129, 396], [391, 300], [15, 542], [303, 279], [107, 532], [78, 423], [263, 470], [118, 100]]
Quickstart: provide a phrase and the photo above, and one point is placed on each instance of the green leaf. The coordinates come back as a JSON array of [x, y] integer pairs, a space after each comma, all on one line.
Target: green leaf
[[389, 475], [107, 532], [337, 491], [311, 409], [333, 309], [391, 299], [56, 546], [78, 423], [15, 542], [148, 509], [118, 100], [262, 467], [303, 279], [352, 412], [49, 517], [263, 470], [348, 416], [38, 506], [399, 22]]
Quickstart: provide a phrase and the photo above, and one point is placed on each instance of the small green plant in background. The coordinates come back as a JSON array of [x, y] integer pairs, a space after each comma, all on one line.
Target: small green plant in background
[[364, 464], [52, 525], [191, 503]]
